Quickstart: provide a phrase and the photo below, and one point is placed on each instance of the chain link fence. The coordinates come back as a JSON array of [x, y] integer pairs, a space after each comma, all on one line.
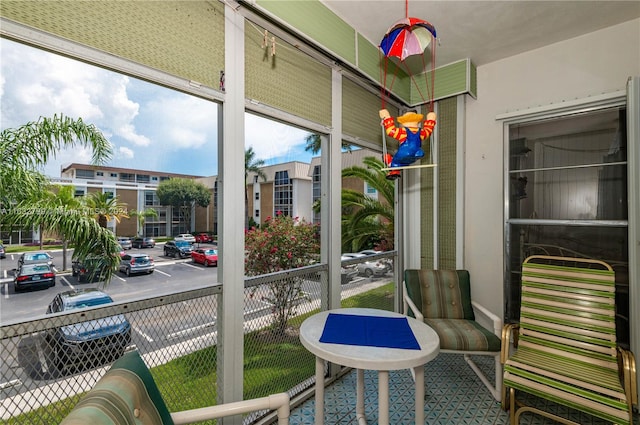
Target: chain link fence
[[48, 363]]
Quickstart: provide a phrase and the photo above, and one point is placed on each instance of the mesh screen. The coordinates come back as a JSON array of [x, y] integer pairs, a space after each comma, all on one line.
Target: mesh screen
[[182, 38], [47, 364], [286, 79]]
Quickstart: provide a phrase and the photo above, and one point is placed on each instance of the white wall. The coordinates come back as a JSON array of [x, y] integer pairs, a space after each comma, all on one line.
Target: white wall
[[593, 64]]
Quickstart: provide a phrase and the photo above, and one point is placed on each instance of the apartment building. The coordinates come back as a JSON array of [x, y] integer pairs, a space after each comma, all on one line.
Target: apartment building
[[134, 187]]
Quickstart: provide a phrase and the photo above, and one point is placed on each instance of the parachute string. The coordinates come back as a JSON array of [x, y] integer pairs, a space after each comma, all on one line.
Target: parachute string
[[434, 41], [406, 8], [383, 77]]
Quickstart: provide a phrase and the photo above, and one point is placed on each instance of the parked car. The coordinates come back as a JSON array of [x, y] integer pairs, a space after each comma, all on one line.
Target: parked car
[[125, 242], [92, 269], [3, 253], [388, 262], [34, 275], [83, 343], [174, 249], [347, 273], [140, 242], [203, 238], [208, 257], [185, 237], [35, 257], [136, 263], [368, 268], [369, 252]]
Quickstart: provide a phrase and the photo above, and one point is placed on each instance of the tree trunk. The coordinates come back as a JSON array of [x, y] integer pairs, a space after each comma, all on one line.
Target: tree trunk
[[64, 252]]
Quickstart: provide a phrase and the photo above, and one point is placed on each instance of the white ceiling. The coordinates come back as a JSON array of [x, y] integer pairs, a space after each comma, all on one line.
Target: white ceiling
[[486, 31]]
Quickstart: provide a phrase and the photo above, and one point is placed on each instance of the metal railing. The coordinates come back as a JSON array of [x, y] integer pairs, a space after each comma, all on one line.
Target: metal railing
[[48, 363]]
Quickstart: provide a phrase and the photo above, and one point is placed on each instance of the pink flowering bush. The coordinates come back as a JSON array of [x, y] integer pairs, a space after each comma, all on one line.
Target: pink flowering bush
[[281, 243]]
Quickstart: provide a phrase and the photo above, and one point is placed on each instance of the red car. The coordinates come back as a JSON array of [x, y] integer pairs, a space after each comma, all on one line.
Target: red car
[[203, 238], [208, 257]]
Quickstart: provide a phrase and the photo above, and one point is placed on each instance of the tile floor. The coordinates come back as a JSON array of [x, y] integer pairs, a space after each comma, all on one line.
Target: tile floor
[[454, 396]]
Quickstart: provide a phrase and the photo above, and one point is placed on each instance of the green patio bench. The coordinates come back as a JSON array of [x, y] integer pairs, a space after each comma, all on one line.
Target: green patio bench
[[566, 350], [128, 395]]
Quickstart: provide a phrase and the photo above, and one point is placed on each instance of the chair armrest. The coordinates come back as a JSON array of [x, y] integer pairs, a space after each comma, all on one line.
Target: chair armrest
[[507, 331], [278, 402], [628, 372], [496, 322], [409, 304]]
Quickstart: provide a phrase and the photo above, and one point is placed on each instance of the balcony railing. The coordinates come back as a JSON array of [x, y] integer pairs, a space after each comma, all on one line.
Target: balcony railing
[[44, 375]]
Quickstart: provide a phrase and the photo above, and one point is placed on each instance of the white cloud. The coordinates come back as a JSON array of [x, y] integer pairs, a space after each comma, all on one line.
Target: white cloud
[[125, 153], [39, 83], [271, 139], [181, 121]]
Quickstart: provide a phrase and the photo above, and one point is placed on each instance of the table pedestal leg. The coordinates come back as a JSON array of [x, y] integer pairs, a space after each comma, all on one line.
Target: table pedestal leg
[[419, 378], [319, 391], [383, 397], [362, 420]]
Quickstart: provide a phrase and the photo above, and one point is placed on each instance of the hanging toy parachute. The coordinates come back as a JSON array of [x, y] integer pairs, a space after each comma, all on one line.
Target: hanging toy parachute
[[405, 45]]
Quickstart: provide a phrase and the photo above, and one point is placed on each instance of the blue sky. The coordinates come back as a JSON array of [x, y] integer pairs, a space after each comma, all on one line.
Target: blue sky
[[150, 127]]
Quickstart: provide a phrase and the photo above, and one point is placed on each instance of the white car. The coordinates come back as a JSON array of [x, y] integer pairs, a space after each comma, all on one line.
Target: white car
[[185, 237], [368, 268]]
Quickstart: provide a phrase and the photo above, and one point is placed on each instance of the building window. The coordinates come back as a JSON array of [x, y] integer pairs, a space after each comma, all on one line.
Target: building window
[[163, 178], [78, 193], [142, 178], [154, 179], [255, 179], [84, 174], [257, 214], [282, 194], [317, 193], [370, 189], [257, 196], [109, 194], [114, 174], [99, 173], [150, 198], [127, 177]]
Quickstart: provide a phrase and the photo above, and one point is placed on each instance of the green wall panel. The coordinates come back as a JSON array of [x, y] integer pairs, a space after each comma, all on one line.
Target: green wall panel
[[447, 147], [446, 189], [427, 249], [450, 80], [360, 113], [369, 58], [316, 21], [289, 80], [181, 38], [325, 28]]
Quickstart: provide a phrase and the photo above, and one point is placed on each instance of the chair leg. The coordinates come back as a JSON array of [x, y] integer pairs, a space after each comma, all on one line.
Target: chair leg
[[512, 405], [495, 390]]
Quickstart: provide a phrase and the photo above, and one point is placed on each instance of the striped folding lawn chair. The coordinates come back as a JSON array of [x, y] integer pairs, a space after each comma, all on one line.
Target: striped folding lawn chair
[[566, 343]]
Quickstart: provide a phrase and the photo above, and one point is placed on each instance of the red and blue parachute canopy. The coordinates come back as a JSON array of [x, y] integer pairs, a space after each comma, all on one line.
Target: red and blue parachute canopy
[[407, 38]]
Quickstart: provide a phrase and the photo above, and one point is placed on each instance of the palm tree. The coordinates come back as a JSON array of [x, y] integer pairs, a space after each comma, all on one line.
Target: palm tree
[[23, 153], [251, 165], [142, 217], [314, 142], [366, 220], [106, 207], [62, 198]]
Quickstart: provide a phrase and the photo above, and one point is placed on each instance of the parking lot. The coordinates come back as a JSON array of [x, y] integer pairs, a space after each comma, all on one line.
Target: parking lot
[[170, 274]]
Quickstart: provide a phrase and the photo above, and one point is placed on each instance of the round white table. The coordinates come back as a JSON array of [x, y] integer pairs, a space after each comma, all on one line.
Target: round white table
[[373, 358]]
